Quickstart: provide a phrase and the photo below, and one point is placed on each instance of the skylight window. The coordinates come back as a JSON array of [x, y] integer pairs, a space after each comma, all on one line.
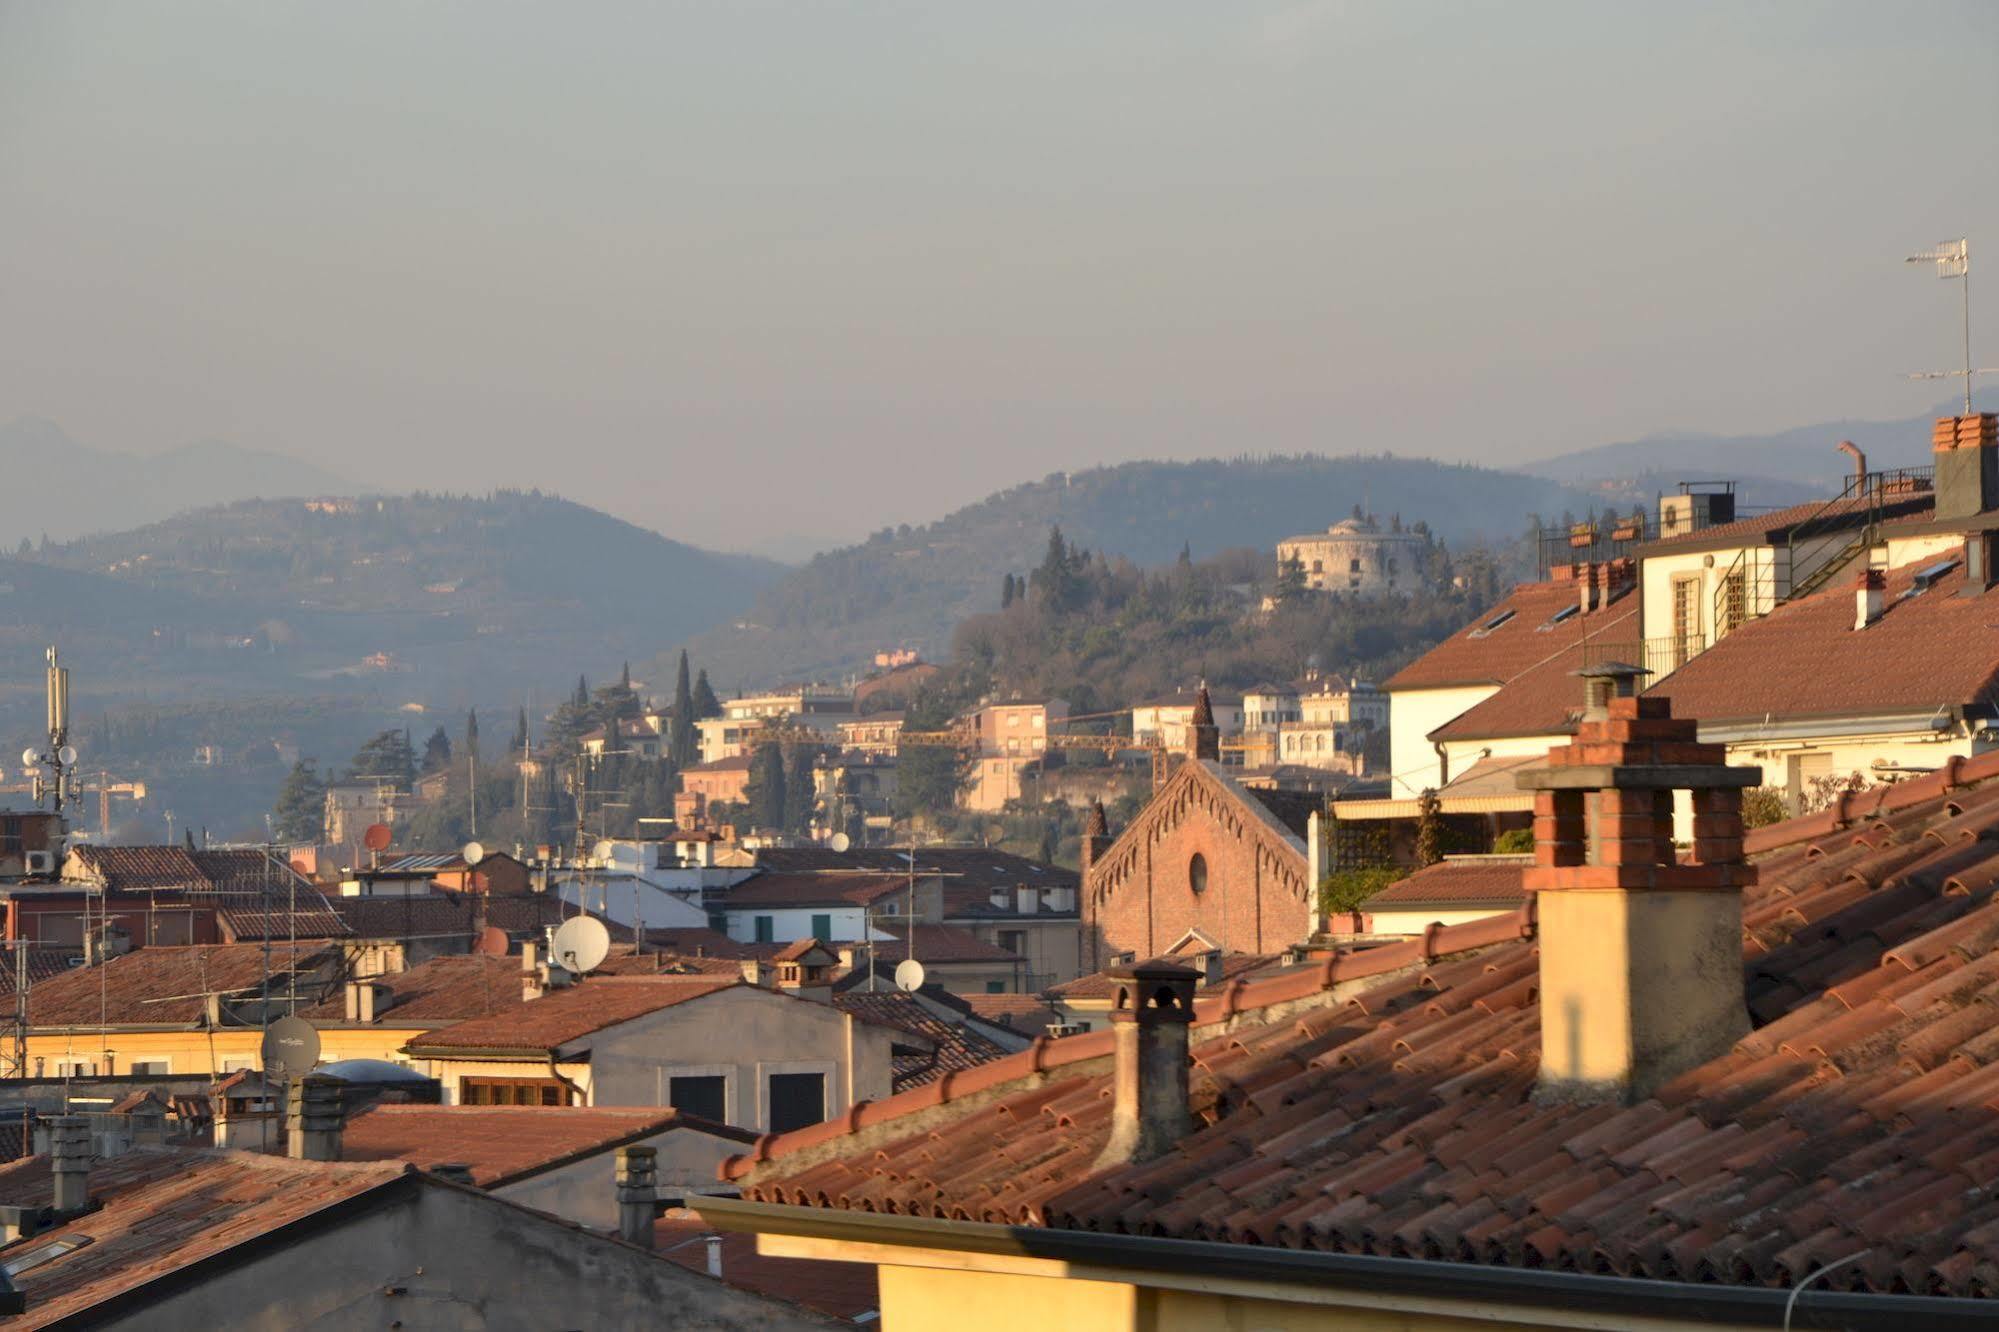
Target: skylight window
[[1927, 577], [1492, 624], [1567, 612], [42, 1253]]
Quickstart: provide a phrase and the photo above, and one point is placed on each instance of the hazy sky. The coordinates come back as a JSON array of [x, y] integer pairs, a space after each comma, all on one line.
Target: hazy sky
[[768, 275]]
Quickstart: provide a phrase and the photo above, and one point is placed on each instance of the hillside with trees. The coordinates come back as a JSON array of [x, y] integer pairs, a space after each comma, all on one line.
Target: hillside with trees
[[912, 586]]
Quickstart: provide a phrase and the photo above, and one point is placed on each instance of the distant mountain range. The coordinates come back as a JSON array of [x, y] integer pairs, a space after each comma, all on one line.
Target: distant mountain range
[[62, 489], [1783, 467], [909, 587]]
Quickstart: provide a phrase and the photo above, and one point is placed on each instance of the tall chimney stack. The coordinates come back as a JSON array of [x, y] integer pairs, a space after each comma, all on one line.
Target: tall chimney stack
[[69, 1158], [1966, 452], [1149, 1021], [1870, 597], [638, 1194], [317, 1117], [1641, 953]]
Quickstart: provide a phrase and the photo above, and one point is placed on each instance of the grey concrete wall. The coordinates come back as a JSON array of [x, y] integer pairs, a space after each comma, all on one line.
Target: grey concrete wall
[[455, 1259], [584, 1191]]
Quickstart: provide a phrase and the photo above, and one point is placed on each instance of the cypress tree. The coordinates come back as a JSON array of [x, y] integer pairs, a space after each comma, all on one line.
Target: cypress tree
[[682, 744]]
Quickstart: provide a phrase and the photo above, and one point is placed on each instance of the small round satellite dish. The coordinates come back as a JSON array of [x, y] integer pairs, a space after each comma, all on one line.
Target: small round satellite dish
[[291, 1047], [842, 842], [378, 837], [29, 758], [492, 942], [68, 755], [473, 853], [581, 944], [909, 974], [602, 853]]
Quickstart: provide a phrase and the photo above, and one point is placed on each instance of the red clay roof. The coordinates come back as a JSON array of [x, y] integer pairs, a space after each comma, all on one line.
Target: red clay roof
[[1099, 985], [164, 1209], [839, 1290], [1483, 881], [1475, 655], [504, 1143], [937, 943], [561, 1016], [1547, 697], [433, 993], [447, 914], [1928, 652], [1027, 1014], [1858, 1114], [948, 1046], [162, 986]]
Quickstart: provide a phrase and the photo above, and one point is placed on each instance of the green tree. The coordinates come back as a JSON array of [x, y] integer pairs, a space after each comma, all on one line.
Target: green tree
[[520, 741], [436, 752], [300, 812], [681, 743], [1291, 585], [472, 736], [706, 705], [387, 757], [799, 795], [766, 789], [1006, 591], [571, 721]]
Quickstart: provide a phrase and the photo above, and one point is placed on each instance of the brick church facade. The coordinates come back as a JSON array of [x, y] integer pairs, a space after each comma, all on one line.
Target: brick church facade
[[1206, 854]]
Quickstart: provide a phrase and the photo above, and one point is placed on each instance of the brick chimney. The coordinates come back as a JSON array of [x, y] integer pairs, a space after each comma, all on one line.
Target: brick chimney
[[1204, 738], [364, 1001], [317, 1118], [1641, 953], [638, 1194], [69, 1159], [1149, 1021], [1966, 452], [1870, 597]]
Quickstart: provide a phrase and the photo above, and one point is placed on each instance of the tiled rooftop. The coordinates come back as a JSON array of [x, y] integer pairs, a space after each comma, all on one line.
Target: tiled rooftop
[[435, 993], [1929, 651], [814, 889], [1545, 698], [1825, 515], [1027, 1014], [162, 986], [937, 943], [163, 1209], [561, 1016], [447, 915], [504, 1143], [947, 1046], [1486, 881], [1099, 985], [1381, 1102], [1523, 633]]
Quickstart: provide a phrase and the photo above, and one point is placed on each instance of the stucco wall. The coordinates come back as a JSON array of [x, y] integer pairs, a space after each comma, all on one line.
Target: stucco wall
[[1412, 715], [455, 1259], [585, 1191]]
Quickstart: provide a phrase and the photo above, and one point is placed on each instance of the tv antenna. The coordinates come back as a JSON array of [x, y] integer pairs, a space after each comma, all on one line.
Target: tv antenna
[[1953, 260]]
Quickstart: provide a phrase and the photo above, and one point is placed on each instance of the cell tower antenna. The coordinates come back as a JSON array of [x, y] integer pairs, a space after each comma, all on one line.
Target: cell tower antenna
[[1953, 260]]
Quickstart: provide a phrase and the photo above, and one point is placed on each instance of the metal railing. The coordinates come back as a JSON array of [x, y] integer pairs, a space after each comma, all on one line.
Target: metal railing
[[1660, 656]]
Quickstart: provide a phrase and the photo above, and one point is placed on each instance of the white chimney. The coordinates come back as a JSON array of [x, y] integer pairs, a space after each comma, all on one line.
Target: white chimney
[[1870, 597], [715, 1256]]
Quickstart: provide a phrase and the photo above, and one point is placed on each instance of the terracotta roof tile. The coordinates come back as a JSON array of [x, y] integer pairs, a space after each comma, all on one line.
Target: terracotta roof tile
[[163, 986], [1512, 637], [947, 1046], [840, 1290], [806, 889], [504, 1143], [559, 1017], [435, 993], [1403, 1122], [1468, 881], [938, 943]]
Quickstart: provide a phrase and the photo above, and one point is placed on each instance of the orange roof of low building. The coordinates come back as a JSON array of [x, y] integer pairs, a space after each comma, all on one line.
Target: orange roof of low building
[[1463, 881], [560, 1017], [846, 1291], [163, 986], [1858, 1116], [1492, 650], [835, 888], [1546, 699], [433, 993], [503, 1144]]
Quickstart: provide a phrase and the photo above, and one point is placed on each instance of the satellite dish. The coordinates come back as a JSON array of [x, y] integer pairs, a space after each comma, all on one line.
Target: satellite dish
[[581, 944], [291, 1047], [909, 974], [602, 853], [841, 842], [473, 853], [29, 758], [492, 942], [378, 837], [68, 755]]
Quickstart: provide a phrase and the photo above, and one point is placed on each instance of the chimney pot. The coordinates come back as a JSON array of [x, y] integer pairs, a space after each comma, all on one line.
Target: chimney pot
[[1149, 1022], [1870, 597], [317, 1117], [714, 1255], [638, 1194], [69, 1153]]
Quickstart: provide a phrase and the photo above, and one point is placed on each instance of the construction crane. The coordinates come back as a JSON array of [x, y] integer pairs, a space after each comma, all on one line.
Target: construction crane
[[103, 786]]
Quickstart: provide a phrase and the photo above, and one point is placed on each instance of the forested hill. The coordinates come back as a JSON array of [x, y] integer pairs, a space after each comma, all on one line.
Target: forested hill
[[910, 587], [443, 593]]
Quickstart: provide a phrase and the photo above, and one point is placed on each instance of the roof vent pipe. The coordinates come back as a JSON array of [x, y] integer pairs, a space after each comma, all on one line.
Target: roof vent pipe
[[714, 1243], [1870, 597], [1852, 450], [1149, 1022]]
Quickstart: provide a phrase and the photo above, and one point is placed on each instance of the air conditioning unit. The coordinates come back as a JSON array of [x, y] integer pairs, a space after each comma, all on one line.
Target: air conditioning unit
[[41, 862]]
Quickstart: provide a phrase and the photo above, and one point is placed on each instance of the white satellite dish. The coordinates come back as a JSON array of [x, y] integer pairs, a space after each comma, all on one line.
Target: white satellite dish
[[909, 974], [580, 945], [68, 755], [473, 853], [841, 842], [29, 758], [602, 853]]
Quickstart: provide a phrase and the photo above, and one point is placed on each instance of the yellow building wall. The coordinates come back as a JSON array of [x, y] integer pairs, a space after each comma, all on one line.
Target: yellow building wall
[[195, 1052]]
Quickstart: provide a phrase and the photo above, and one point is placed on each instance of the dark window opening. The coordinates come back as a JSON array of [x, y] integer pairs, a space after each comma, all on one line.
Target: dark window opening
[[1197, 873], [705, 1096], [822, 928], [766, 928], [797, 1100]]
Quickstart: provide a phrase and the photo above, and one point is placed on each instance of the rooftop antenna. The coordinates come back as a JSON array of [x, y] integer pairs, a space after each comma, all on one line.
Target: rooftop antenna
[[60, 757], [1953, 260]]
